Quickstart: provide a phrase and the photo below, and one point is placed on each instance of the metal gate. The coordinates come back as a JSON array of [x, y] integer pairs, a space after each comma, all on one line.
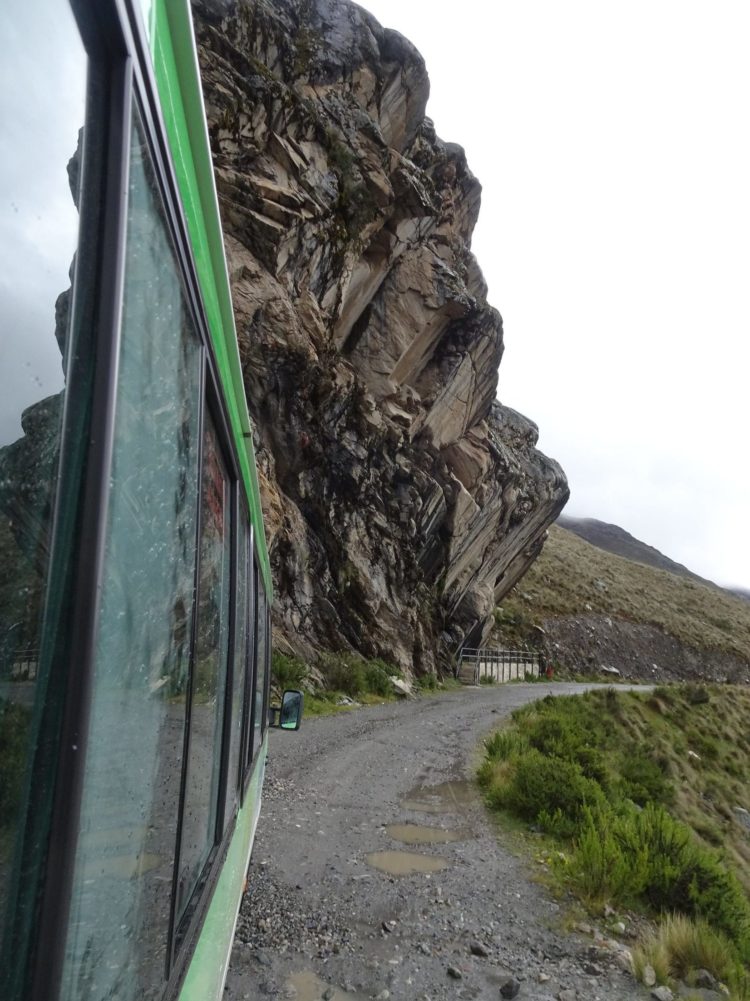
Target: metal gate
[[499, 665]]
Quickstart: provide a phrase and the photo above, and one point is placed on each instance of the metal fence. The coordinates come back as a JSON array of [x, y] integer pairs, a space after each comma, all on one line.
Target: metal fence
[[23, 666], [499, 665]]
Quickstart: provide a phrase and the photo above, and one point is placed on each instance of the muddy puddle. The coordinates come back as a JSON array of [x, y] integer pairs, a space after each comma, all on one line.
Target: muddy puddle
[[447, 797], [416, 834], [405, 863], [309, 987]]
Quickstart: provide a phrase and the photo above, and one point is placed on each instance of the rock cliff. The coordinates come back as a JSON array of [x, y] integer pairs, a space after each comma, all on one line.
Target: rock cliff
[[401, 500]]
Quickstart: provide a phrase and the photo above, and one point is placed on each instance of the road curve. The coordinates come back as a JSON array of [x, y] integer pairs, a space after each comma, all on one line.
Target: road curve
[[322, 920]]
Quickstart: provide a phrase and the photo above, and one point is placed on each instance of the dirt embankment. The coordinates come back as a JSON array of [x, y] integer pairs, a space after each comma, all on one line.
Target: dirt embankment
[[640, 652]]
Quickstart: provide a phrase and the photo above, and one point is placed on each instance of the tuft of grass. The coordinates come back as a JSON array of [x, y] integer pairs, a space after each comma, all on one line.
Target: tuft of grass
[[504, 744], [680, 946]]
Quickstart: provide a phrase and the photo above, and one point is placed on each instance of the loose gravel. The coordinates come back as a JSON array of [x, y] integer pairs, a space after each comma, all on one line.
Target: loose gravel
[[482, 928]]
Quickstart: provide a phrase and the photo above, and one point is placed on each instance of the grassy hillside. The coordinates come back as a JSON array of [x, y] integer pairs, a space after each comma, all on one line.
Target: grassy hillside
[[648, 795], [574, 578], [613, 539]]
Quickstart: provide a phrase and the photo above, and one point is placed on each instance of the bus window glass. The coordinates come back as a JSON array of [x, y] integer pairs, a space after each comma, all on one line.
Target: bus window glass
[[261, 668], [252, 649], [241, 631], [119, 922], [42, 114], [206, 712]]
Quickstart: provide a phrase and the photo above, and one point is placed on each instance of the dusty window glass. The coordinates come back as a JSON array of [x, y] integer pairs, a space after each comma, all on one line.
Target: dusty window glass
[[261, 667], [241, 631], [42, 114], [252, 651], [119, 921], [206, 712]]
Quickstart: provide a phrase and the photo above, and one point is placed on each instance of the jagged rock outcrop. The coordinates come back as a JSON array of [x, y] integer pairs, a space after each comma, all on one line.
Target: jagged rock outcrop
[[401, 500]]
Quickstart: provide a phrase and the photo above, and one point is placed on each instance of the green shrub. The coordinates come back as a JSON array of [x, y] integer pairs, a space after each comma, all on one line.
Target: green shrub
[[715, 894], [427, 682], [599, 868], [643, 780], [555, 736], [697, 695], [647, 855], [343, 673], [560, 733], [580, 769], [287, 671], [542, 787], [352, 675], [377, 677]]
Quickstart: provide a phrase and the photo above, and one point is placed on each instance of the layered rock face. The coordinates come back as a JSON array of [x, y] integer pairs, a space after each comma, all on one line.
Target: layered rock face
[[401, 500]]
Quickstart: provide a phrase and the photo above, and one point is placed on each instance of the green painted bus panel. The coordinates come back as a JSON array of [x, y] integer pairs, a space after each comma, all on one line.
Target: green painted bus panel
[[208, 967], [178, 81]]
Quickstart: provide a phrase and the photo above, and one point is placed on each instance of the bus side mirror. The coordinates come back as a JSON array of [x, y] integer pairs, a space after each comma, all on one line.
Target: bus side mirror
[[288, 715]]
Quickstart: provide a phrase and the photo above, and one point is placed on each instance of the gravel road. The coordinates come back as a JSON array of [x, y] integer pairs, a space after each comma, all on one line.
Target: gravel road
[[335, 909]]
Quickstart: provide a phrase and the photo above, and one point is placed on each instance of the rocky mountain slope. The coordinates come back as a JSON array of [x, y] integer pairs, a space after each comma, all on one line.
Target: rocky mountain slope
[[401, 500], [589, 609], [613, 539]]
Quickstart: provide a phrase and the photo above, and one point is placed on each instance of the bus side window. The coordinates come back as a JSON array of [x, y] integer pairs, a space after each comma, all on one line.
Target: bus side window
[[242, 633], [208, 673], [252, 642], [44, 346], [260, 709], [125, 855]]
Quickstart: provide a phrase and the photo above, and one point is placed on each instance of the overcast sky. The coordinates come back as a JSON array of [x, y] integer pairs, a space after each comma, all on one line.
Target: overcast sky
[[41, 112], [612, 140]]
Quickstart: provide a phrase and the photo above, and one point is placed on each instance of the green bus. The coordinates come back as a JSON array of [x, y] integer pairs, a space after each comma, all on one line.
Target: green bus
[[135, 585]]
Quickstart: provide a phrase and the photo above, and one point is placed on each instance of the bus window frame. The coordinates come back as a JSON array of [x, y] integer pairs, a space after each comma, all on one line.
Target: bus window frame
[[188, 926], [101, 241], [250, 756], [119, 63]]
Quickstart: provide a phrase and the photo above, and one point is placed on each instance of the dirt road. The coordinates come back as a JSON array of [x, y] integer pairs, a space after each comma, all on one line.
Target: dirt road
[[377, 873]]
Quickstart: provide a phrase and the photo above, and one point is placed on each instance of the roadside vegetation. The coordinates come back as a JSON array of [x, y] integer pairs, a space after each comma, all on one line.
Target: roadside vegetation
[[337, 682], [644, 798], [572, 577]]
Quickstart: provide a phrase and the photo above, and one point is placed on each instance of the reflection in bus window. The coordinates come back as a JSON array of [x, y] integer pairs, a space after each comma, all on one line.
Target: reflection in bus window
[[240, 667], [261, 667], [124, 865], [42, 115], [206, 711]]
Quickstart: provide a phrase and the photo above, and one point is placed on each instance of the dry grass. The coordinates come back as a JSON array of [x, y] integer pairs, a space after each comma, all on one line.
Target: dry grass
[[670, 723], [571, 574], [680, 946]]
